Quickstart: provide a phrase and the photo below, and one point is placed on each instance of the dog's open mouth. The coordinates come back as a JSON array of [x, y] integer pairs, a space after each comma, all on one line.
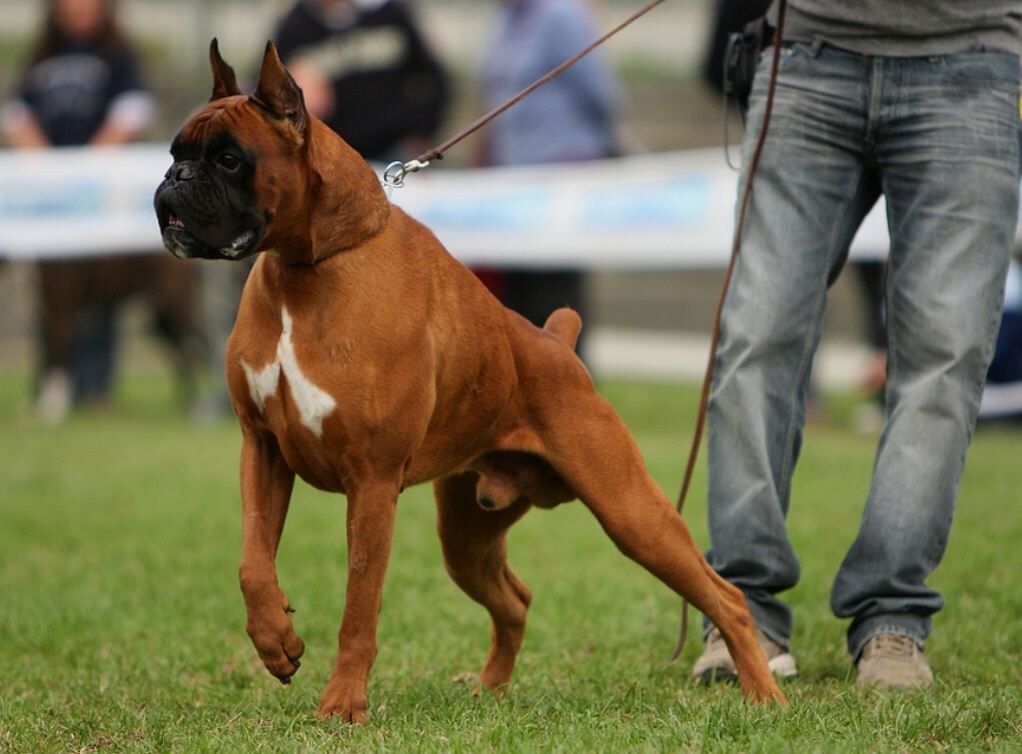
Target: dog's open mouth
[[193, 238], [167, 218], [176, 237]]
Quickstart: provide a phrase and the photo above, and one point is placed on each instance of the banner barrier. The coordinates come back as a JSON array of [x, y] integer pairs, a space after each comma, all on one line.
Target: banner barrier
[[653, 211]]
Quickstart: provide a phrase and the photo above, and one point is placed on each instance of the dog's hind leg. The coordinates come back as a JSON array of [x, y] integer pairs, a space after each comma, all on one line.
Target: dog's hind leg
[[266, 484], [588, 444], [475, 553]]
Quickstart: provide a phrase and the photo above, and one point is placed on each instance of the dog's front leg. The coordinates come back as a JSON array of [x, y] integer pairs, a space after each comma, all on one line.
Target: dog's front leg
[[371, 509], [266, 484]]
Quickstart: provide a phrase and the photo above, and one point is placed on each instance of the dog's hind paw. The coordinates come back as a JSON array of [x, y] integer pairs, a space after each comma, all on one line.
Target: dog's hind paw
[[769, 694], [469, 678]]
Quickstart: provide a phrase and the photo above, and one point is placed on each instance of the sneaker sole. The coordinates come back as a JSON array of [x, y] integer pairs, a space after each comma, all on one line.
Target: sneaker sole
[[716, 675], [782, 666]]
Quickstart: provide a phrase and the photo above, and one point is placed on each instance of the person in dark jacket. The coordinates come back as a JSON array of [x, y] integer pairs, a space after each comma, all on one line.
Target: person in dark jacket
[[81, 87], [367, 72]]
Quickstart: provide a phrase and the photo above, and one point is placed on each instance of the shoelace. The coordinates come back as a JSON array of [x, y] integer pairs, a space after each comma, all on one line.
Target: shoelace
[[896, 644]]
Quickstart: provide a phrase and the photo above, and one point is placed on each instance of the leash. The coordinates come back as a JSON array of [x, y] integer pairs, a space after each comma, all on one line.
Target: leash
[[394, 175], [736, 245]]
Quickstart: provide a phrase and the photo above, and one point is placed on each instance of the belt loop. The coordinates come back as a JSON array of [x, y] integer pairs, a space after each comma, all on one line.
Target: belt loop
[[816, 46]]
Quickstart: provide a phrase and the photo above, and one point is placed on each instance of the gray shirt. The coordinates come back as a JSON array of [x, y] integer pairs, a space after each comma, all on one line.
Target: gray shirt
[[907, 27]]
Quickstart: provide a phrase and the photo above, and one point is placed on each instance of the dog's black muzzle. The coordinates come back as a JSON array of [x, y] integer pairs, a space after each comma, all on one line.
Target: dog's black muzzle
[[190, 212]]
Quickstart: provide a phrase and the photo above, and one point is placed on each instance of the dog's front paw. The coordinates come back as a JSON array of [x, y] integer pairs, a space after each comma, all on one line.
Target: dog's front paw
[[274, 637], [345, 703]]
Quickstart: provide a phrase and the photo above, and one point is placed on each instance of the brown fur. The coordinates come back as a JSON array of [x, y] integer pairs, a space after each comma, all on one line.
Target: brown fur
[[433, 380]]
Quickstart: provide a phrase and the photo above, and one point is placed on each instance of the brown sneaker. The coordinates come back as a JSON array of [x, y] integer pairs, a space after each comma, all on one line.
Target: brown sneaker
[[715, 663], [893, 661]]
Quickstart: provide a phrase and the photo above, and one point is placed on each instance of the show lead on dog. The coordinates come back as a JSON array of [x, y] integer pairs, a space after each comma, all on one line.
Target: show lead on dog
[[919, 102]]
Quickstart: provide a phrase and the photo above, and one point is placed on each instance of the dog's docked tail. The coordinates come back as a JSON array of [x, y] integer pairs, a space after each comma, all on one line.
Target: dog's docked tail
[[565, 324]]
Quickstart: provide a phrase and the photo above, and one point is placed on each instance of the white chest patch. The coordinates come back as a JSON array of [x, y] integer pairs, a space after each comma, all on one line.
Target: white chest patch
[[314, 404]]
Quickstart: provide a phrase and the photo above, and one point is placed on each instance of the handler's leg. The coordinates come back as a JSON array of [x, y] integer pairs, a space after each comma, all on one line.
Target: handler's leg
[[266, 484], [372, 506], [950, 165], [475, 553], [810, 193]]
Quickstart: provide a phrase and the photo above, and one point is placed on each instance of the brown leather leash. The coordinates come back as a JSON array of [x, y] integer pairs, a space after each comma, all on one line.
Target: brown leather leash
[[736, 246], [395, 173]]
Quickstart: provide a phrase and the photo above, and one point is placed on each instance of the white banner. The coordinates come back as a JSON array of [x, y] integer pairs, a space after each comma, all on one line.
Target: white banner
[[659, 211], [71, 202]]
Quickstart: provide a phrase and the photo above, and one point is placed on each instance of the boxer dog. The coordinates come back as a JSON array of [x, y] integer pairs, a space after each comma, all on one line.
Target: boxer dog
[[366, 359]]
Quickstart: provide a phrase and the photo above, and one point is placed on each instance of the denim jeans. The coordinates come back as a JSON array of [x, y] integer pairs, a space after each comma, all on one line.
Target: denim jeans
[[939, 138]]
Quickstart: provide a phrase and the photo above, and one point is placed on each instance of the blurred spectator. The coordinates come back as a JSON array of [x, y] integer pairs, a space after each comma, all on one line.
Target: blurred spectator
[[81, 87], [366, 71], [573, 118]]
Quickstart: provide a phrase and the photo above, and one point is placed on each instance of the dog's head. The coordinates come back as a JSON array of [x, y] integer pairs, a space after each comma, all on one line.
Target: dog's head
[[254, 173]]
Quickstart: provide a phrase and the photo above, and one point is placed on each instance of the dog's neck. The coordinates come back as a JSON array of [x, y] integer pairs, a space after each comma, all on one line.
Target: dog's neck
[[342, 187]]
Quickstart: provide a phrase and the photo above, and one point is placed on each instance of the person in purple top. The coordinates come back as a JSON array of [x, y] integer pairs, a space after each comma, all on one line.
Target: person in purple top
[[571, 119]]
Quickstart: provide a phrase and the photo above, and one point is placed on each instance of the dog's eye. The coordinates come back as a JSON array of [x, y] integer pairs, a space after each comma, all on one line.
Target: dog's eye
[[228, 161]]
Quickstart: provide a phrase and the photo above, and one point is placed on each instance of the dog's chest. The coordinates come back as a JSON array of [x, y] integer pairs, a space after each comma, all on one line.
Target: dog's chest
[[312, 403]]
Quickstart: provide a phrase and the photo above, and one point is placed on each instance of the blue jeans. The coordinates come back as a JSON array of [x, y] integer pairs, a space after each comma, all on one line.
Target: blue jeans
[[939, 138]]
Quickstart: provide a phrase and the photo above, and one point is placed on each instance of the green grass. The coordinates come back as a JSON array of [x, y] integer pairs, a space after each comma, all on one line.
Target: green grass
[[122, 627]]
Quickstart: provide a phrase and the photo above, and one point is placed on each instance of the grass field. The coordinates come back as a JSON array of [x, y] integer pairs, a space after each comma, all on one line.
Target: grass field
[[122, 627]]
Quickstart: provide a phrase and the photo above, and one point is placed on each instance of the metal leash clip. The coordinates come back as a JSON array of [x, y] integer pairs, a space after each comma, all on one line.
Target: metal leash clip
[[394, 175]]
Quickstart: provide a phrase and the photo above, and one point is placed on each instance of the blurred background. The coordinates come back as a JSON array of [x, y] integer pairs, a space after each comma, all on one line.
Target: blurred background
[[644, 322]]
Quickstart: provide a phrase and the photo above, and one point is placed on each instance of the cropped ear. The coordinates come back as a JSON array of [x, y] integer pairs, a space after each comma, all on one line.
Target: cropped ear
[[225, 83], [278, 92]]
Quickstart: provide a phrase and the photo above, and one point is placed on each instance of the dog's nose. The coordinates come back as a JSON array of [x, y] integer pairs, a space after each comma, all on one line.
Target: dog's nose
[[182, 171]]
